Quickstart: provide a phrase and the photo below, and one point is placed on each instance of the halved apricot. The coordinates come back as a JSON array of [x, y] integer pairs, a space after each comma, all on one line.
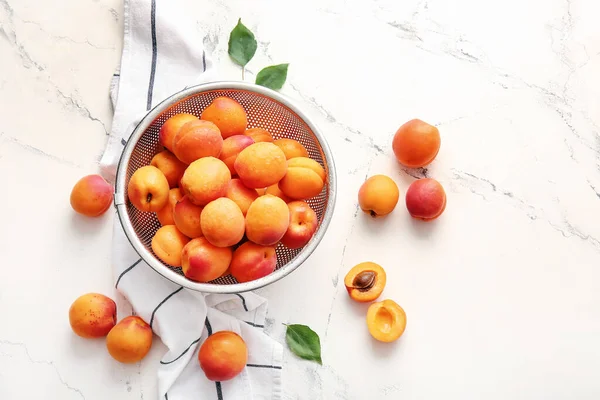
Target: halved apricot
[[365, 281], [386, 320]]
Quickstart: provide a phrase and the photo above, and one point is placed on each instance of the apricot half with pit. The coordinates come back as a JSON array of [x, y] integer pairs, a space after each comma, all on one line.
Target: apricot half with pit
[[386, 320], [365, 281]]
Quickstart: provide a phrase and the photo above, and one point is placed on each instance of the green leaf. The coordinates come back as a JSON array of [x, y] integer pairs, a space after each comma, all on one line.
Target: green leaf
[[242, 44], [272, 77], [304, 342]]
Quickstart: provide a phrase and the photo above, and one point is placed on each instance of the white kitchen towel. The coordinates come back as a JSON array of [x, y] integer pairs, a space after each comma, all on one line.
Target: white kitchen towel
[[162, 54]]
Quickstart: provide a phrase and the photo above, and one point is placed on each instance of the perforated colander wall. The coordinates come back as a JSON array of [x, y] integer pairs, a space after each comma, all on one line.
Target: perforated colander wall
[[263, 112]]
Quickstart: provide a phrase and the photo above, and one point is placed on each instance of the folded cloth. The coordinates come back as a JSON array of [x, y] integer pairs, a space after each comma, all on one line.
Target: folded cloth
[[162, 54]]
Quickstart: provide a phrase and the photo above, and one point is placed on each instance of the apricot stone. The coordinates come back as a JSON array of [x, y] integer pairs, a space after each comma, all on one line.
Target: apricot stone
[[197, 139], [425, 199], [168, 243], [170, 166], [205, 180], [222, 222], [386, 320], [223, 355], [165, 214], [304, 179], [241, 195], [378, 195], [148, 189], [91, 196], [303, 225], [203, 262], [186, 216], [365, 281], [130, 340], [260, 165], [92, 315], [252, 261], [228, 115], [259, 135], [291, 148], [232, 146], [267, 220], [416, 143], [171, 126]]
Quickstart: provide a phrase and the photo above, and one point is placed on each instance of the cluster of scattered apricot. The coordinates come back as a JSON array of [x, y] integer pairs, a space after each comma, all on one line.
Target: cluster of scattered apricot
[[416, 144], [222, 355], [217, 183]]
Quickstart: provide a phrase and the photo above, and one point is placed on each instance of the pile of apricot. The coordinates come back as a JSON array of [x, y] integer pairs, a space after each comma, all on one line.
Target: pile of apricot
[[226, 195], [415, 144]]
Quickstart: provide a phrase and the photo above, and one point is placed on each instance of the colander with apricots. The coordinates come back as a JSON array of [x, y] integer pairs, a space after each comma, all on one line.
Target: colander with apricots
[[265, 109]]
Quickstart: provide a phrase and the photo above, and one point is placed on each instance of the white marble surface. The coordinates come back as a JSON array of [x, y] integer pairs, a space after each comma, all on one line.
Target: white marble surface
[[502, 293]]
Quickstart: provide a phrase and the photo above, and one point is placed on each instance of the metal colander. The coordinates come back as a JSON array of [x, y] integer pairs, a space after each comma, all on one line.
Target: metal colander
[[266, 109]]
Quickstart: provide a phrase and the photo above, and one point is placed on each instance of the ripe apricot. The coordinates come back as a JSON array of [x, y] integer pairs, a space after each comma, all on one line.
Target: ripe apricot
[[197, 139], [305, 178], [203, 262], [130, 340], [252, 261], [232, 146], [267, 220], [186, 217], [303, 225], [416, 143], [259, 135], [241, 195], [148, 189], [91, 196], [170, 166], [425, 199], [378, 195], [205, 180], [275, 191], [365, 281], [171, 126], [168, 243], [223, 223], [386, 320], [92, 315], [223, 355], [260, 165], [291, 148], [228, 115], [165, 214]]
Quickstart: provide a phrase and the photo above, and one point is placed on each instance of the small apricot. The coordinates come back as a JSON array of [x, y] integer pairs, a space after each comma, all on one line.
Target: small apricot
[[197, 139], [148, 189], [378, 195], [171, 126], [91, 196], [223, 355], [228, 115], [252, 261], [168, 243], [92, 315], [386, 320], [365, 281], [259, 135], [165, 214], [203, 262], [291, 148], [267, 220], [205, 180], [425, 199], [170, 166], [222, 222], [305, 178], [130, 340], [260, 165], [275, 191], [186, 217], [232, 146], [241, 195], [416, 143]]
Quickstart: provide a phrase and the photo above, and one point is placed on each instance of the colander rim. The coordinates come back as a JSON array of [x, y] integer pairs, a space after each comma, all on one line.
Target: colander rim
[[172, 275]]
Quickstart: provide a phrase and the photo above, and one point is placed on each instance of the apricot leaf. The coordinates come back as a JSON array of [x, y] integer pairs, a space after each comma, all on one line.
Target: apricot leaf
[[273, 76], [242, 44], [304, 342]]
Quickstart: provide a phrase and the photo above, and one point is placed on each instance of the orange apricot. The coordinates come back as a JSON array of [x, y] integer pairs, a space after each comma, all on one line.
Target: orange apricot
[[205, 180], [386, 320], [416, 143], [303, 225], [186, 217], [222, 222], [275, 191], [232, 146], [259, 135], [260, 165], [168, 243], [425, 199], [304, 178], [223, 355], [148, 189], [171, 126], [228, 115], [130, 340], [252, 261], [165, 214], [365, 281], [203, 262], [267, 220], [170, 166], [291, 148], [197, 139], [241, 195], [378, 195], [92, 315], [91, 196]]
